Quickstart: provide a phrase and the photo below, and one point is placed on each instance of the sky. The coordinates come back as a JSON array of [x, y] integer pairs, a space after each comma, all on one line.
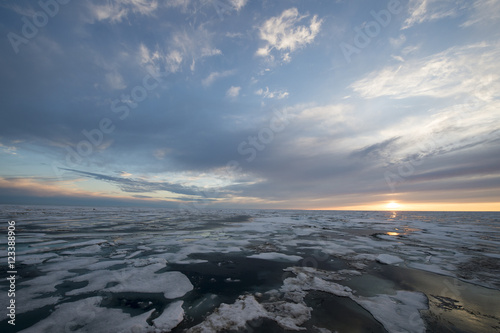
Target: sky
[[283, 104]]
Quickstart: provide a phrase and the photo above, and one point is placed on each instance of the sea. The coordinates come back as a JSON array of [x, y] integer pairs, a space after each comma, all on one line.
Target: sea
[[123, 269]]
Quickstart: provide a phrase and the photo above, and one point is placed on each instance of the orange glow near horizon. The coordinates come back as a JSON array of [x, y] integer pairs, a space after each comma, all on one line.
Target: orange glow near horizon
[[79, 190], [393, 206], [423, 206]]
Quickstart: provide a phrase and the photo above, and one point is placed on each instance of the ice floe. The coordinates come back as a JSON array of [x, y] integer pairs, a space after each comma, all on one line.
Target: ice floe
[[388, 259], [170, 317], [398, 313], [237, 315], [276, 256], [87, 315], [141, 280]]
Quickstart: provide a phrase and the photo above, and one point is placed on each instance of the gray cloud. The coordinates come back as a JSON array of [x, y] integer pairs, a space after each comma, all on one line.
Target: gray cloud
[[139, 186]]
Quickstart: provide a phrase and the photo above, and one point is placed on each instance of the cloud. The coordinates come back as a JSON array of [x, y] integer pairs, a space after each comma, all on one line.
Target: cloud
[[43, 187], [398, 58], [182, 135], [233, 91], [397, 42], [115, 81], [212, 77], [183, 47], [483, 12], [377, 150], [470, 69], [46, 191], [193, 44], [278, 94], [238, 4], [117, 10], [139, 185], [284, 33], [8, 149], [429, 10], [160, 154], [26, 10]]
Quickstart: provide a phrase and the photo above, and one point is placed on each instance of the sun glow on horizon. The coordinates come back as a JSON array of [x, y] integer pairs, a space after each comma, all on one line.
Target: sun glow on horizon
[[421, 206], [393, 206]]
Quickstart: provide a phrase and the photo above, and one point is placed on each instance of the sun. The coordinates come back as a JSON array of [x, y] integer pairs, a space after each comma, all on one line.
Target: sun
[[393, 205]]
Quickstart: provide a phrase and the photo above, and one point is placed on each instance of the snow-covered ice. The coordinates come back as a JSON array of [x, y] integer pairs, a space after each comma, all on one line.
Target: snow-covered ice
[[151, 270], [388, 259], [275, 256]]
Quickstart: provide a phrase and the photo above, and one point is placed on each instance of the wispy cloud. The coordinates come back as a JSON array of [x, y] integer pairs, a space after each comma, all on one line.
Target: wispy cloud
[[212, 77], [139, 185], [420, 11], [238, 4], [25, 10], [8, 149], [377, 150], [484, 12], [284, 33], [266, 93], [183, 47], [115, 11], [458, 70]]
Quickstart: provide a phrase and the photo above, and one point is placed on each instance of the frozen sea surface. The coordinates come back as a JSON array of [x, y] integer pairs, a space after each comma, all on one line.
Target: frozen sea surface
[[154, 270]]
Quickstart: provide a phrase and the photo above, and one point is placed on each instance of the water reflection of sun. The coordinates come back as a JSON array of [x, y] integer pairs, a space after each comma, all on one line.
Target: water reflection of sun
[[393, 205]]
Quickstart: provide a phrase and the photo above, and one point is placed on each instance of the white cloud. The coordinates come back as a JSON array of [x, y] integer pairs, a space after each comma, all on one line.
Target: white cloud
[[8, 149], [472, 69], [429, 10], [115, 81], [484, 11], [410, 49], [177, 3], [417, 10], [233, 91], [173, 61], [125, 174], [116, 11], [234, 34], [238, 4], [109, 11], [398, 58], [327, 116], [284, 34], [160, 61], [216, 75], [397, 42], [182, 47], [279, 94], [455, 127], [195, 44], [144, 7]]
